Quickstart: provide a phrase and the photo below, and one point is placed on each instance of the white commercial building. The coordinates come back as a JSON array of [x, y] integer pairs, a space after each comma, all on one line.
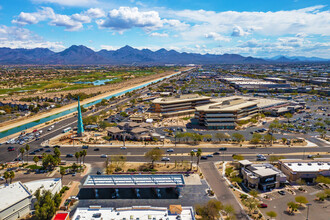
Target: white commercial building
[[15, 201], [135, 213], [54, 185]]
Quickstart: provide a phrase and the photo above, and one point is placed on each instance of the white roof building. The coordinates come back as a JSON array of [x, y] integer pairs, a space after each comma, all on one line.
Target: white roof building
[[54, 185], [133, 213], [15, 201]]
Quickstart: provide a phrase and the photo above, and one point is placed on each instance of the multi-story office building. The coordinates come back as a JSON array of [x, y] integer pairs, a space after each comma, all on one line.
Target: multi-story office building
[[225, 113], [178, 105]]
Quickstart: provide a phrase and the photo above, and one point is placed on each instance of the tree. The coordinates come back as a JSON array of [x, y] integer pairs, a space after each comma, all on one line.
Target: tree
[[192, 154], [251, 203], [271, 214], [220, 136], [236, 179], [322, 179], [57, 152], [36, 159], [288, 116], [62, 172], [154, 155], [254, 193], [273, 159], [269, 138], [80, 157], [229, 209], [6, 176], [198, 155], [46, 204], [238, 157], [228, 171], [77, 155], [209, 211], [301, 200], [256, 138], [11, 176], [284, 140], [238, 137], [22, 151], [292, 206], [84, 154], [27, 148], [321, 196]]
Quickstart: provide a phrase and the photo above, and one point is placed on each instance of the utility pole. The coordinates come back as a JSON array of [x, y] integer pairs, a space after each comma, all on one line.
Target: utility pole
[[308, 204]]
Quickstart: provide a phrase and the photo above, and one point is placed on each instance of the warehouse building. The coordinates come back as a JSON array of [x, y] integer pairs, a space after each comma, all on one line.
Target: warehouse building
[[306, 170], [15, 202], [174, 212]]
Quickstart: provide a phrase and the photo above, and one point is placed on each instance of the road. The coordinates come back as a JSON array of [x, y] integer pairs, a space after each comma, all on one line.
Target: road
[[220, 188]]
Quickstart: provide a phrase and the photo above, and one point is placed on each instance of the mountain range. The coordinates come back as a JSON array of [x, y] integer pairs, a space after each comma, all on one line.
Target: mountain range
[[82, 55]]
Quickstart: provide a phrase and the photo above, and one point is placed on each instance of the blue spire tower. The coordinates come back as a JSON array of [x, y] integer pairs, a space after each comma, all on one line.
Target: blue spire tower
[[80, 129]]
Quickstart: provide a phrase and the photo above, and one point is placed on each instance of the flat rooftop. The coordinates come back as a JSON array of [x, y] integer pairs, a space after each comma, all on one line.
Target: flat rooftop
[[263, 169], [11, 194], [133, 213], [44, 184], [262, 102], [134, 181], [179, 99], [222, 106], [316, 166]]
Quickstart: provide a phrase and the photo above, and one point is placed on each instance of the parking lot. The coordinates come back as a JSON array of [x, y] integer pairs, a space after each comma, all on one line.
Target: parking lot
[[278, 203]]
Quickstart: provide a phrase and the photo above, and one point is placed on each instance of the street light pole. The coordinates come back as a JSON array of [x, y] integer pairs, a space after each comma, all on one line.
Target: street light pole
[[308, 204]]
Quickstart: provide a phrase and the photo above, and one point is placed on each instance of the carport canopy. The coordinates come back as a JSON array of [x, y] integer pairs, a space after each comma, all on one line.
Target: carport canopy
[[134, 181]]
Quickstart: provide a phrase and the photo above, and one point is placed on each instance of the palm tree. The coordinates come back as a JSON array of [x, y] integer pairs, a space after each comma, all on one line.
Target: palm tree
[[198, 155], [27, 148], [84, 153], [77, 155], [80, 156], [11, 176], [22, 150], [192, 154], [62, 172], [6, 176]]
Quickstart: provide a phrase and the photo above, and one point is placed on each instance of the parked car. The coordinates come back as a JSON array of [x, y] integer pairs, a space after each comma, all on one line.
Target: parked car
[[203, 158], [11, 148], [262, 205], [48, 151], [57, 146], [282, 192], [98, 172]]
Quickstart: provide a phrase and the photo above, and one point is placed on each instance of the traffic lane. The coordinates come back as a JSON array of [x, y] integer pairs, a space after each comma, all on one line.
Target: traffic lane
[[97, 158], [142, 150]]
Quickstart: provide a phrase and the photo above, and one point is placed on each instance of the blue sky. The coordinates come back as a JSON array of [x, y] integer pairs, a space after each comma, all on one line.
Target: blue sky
[[259, 28]]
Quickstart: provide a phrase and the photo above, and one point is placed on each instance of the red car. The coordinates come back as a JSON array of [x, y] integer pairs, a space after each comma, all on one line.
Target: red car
[[11, 148], [262, 205], [34, 131]]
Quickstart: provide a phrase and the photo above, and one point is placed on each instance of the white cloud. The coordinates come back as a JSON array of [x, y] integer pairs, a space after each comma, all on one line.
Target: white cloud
[[156, 34], [126, 18], [95, 13], [81, 18], [70, 2], [176, 24], [32, 18], [239, 32], [307, 20], [17, 37], [67, 22], [217, 37]]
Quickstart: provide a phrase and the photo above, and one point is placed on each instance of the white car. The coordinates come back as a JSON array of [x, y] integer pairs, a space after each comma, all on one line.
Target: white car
[[104, 156], [166, 159]]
